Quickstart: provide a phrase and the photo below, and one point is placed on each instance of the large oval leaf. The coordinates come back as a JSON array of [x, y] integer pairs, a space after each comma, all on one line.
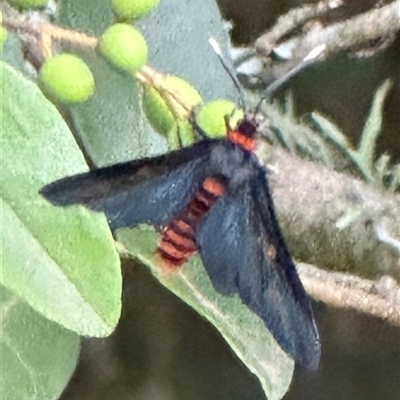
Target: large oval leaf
[[38, 356], [242, 329], [61, 261]]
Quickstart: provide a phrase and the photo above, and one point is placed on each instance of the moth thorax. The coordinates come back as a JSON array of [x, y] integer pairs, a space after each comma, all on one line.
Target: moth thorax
[[244, 134], [247, 127]]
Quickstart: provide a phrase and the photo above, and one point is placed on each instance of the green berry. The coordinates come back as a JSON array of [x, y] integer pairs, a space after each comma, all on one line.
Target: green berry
[[26, 4], [185, 94], [211, 116], [133, 9], [168, 107], [124, 46], [157, 111], [67, 78]]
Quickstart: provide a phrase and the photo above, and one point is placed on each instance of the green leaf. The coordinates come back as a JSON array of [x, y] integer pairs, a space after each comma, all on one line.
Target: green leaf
[[373, 127], [61, 261], [362, 157], [241, 328], [111, 123], [38, 356]]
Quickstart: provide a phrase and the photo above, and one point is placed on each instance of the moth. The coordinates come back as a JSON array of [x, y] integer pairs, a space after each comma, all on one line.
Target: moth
[[212, 197]]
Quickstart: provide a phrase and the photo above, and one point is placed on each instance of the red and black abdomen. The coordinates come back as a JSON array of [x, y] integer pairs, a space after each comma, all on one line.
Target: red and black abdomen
[[178, 240]]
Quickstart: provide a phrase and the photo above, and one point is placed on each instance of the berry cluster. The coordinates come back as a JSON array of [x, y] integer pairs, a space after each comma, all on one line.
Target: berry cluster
[[168, 101]]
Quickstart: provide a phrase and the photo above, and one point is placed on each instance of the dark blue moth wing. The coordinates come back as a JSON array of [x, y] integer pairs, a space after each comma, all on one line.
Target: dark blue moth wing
[[299, 335], [219, 237], [253, 261], [151, 190]]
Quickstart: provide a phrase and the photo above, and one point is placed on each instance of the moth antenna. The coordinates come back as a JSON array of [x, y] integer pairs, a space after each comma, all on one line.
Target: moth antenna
[[311, 57], [214, 44]]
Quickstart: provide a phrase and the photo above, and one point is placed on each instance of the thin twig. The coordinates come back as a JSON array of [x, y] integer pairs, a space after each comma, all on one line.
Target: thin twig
[[363, 28], [291, 21], [379, 298]]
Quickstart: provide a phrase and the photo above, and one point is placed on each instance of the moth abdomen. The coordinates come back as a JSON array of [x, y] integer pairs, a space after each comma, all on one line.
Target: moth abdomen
[[178, 241]]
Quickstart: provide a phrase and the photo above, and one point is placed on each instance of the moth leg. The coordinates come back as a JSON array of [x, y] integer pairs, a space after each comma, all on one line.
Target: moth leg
[[195, 125]]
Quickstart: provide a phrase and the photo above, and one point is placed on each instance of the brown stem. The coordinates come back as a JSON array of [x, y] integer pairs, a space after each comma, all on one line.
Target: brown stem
[[80, 38], [380, 298], [376, 23], [291, 21], [43, 34]]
